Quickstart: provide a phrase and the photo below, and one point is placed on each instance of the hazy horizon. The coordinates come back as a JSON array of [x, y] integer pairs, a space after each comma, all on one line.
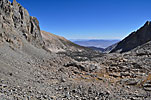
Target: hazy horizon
[[93, 39]]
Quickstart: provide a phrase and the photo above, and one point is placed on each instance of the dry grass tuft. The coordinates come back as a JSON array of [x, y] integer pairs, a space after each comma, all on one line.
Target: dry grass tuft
[[148, 78]]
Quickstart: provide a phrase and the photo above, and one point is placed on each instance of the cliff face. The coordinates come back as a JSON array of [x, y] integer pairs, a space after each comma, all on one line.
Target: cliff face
[[141, 36], [16, 23]]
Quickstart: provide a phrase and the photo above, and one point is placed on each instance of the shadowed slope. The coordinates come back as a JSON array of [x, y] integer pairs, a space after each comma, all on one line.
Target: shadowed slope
[[135, 39]]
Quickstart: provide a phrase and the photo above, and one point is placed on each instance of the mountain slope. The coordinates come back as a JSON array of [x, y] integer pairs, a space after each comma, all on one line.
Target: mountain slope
[[110, 48], [56, 43], [135, 39]]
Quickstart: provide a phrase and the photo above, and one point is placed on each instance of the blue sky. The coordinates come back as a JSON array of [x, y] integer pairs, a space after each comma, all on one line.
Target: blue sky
[[90, 19]]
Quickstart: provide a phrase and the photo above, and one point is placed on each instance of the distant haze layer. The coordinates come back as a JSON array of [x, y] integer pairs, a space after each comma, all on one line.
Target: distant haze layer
[[95, 43]]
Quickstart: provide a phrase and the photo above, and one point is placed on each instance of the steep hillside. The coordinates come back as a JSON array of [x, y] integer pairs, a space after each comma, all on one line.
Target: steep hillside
[[135, 39], [56, 43], [110, 48]]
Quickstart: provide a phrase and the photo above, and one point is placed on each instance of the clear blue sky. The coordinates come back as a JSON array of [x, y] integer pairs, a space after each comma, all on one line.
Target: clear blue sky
[[89, 19]]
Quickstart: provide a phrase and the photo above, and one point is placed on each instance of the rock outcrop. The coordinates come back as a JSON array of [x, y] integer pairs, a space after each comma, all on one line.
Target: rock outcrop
[[16, 21], [141, 36]]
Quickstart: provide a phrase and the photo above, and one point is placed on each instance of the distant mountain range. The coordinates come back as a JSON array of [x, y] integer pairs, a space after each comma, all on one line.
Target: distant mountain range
[[98, 43]]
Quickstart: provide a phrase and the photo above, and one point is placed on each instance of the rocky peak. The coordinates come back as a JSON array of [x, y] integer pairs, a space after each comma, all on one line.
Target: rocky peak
[[141, 36], [148, 23], [17, 18], [14, 2]]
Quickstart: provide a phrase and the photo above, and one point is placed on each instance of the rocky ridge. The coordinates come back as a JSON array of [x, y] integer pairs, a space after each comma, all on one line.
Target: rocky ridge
[[135, 39], [56, 43]]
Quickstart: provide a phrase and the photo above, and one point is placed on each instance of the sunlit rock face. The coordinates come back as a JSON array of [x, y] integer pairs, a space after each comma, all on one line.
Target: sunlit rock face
[[15, 21]]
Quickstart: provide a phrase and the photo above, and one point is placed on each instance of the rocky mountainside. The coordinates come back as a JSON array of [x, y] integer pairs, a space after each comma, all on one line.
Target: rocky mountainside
[[16, 23], [110, 48], [56, 43], [135, 39], [36, 65]]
